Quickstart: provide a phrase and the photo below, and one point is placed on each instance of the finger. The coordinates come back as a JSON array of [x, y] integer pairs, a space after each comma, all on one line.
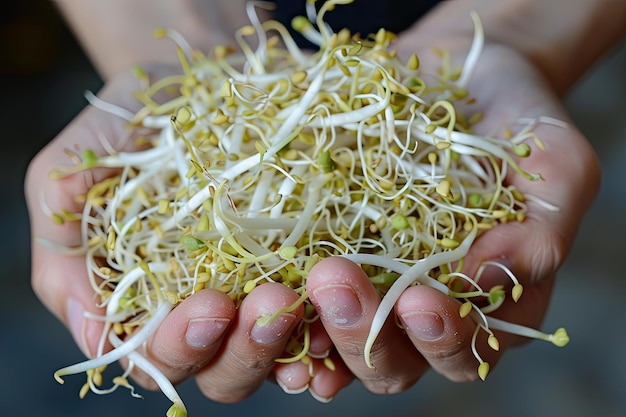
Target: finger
[[329, 377], [58, 278], [248, 354], [295, 377], [346, 302], [321, 344], [433, 323], [324, 378], [292, 377], [535, 248], [568, 164], [189, 337]]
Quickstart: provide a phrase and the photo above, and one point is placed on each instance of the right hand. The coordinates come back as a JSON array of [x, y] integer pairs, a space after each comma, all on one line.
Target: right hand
[[205, 336]]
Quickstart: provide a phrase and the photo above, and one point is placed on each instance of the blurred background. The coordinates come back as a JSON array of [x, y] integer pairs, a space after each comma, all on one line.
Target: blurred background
[[44, 74]]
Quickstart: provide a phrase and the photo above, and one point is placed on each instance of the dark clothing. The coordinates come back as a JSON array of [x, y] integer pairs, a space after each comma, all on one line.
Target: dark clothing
[[362, 16]]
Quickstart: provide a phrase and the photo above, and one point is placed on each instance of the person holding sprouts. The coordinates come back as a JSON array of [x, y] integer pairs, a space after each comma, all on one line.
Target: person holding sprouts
[[533, 52]]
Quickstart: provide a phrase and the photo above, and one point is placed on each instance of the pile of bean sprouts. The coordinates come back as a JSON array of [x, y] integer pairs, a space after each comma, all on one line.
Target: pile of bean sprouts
[[271, 158]]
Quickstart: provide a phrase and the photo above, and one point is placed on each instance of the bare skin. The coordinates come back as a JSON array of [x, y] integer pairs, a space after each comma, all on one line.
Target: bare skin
[[522, 73]]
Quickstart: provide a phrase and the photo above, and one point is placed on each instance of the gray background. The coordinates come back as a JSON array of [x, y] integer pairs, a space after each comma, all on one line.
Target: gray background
[[44, 74]]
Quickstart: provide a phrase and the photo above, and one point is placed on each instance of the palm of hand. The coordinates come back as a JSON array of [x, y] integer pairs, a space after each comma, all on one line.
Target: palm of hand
[[506, 88]]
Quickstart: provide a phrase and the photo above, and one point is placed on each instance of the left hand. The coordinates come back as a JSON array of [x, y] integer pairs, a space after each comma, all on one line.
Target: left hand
[[507, 87]]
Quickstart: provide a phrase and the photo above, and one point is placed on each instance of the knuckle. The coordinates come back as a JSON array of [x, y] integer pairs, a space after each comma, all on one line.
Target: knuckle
[[221, 393], [387, 384], [349, 348], [388, 381], [237, 381], [456, 366], [549, 255]]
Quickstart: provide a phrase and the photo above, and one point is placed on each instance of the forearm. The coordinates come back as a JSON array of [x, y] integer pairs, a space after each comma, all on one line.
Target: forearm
[[563, 38], [117, 34]]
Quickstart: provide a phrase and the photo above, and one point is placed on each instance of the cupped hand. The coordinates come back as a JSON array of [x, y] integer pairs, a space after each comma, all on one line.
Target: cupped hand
[[205, 336], [507, 88], [208, 338]]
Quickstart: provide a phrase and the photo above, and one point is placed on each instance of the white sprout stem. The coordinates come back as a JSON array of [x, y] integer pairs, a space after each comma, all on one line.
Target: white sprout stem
[[280, 139], [290, 125], [479, 317], [115, 386], [122, 351], [474, 350], [474, 52], [118, 111], [542, 203], [312, 202], [346, 144], [253, 17], [498, 265], [290, 44], [262, 223], [404, 281], [377, 260], [125, 159], [396, 266], [157, 376], [354, 116], [118, 317], [124, 285], [263, 186], [517, 329], [180, 41], [286, 188]]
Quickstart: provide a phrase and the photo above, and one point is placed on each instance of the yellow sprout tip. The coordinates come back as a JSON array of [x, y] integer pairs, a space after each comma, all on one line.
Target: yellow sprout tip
[[522, 150], [517, 291], [226, 89], [493, 343], [300, 23], [400, 222], [249, 286], [58, 378], [298, 77], [328, 363], [443, 188], [414, 62], [289, 252], [560, 338], [465, 309], [448, 243], [84, 390], [183, 115], [176, 410], [483, 370], [159, 33]]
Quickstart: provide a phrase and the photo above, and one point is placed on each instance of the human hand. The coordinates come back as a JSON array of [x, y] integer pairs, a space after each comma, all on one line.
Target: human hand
[[205, 336], [507, 88]]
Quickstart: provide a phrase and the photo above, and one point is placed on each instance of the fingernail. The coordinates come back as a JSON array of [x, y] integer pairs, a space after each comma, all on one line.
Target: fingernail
[[267, 333], [203, 332], [425, 325], [319, 355], [288, 390], [319, 398], [76, 323], [339, 305]]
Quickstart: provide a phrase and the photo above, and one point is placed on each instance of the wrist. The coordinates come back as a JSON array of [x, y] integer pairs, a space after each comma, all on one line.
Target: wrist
[[562, 41], [118, 34]]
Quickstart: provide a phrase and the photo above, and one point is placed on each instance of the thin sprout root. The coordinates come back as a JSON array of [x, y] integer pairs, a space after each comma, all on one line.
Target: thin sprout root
[[269, 159]]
